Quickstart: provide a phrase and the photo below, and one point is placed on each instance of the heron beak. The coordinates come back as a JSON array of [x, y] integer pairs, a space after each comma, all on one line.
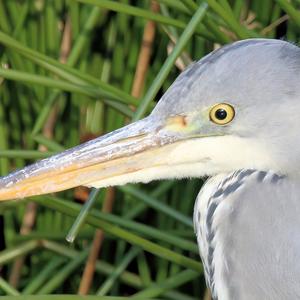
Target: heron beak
[[138, 152]]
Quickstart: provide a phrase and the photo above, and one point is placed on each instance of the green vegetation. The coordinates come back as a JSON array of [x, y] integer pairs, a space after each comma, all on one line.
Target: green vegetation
[[71, 70]]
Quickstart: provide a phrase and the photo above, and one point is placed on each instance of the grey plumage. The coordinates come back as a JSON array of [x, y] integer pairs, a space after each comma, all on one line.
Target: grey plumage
[[255, 67], [257, 229]]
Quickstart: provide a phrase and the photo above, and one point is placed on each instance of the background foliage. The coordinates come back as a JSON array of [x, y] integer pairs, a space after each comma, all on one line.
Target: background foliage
[[75, 69]]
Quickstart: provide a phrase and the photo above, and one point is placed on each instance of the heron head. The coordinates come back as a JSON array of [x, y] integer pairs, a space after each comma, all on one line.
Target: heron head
[[255, 83], [235, 108]]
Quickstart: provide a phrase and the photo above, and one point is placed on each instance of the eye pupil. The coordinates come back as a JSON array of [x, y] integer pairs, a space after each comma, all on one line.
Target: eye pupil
[[221, 114]]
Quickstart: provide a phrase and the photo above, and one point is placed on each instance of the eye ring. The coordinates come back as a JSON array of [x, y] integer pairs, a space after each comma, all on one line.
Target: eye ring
[[222, 113]]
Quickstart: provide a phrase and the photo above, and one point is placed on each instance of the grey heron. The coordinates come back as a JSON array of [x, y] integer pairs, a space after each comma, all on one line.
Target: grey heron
[[232, 116]]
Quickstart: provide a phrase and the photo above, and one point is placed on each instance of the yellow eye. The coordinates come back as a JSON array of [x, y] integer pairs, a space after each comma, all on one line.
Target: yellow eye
[[222, 113]]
